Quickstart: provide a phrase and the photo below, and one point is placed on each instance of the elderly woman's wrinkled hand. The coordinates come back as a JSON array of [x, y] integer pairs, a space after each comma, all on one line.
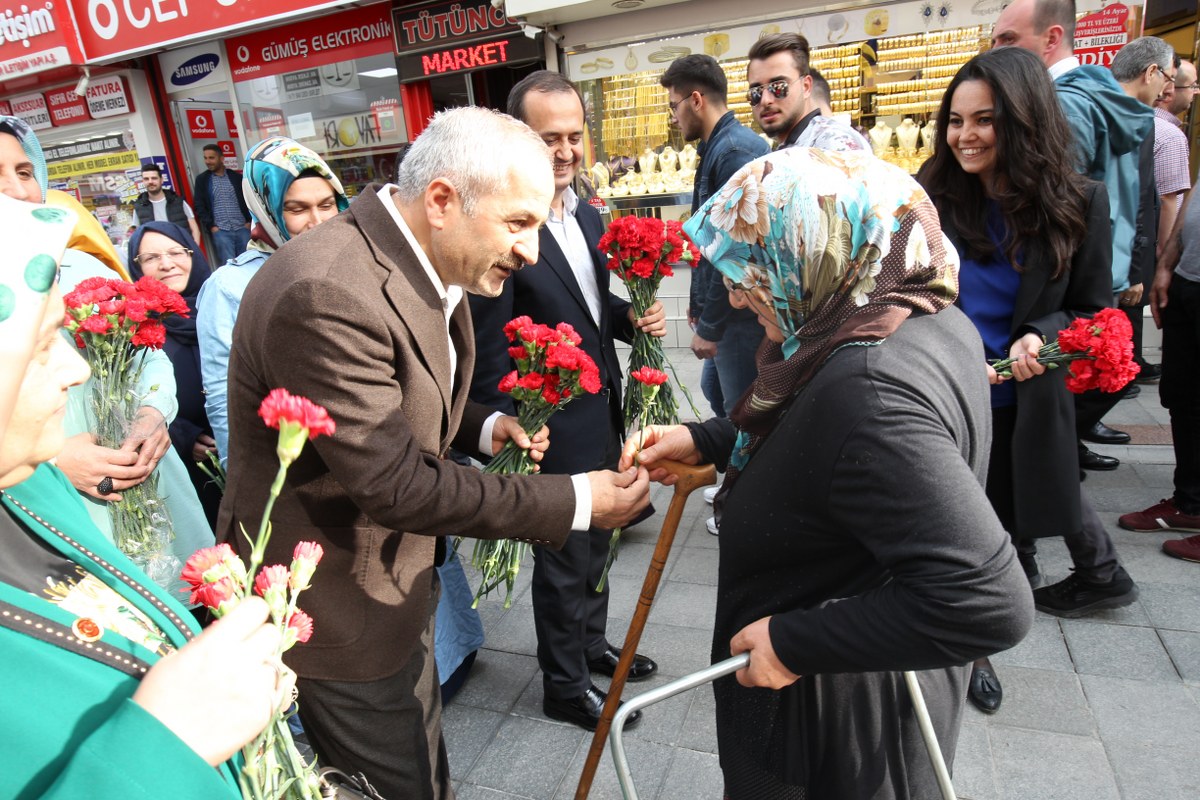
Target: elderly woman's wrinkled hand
[[148, 437], [86, 464], [219, 691], [765, 670], [658, 443]]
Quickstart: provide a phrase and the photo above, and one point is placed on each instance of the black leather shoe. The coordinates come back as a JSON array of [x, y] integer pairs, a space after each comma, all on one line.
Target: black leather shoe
[[985, 691], [1102, 434], [583, 710], [1090, 460], [1131, 391], [606, 664]]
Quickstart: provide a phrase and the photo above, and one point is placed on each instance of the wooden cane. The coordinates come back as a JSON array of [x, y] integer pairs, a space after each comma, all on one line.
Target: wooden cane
[[690, 479]]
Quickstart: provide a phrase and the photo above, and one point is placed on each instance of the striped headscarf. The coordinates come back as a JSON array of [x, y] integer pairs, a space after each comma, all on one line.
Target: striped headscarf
[[271, 167]]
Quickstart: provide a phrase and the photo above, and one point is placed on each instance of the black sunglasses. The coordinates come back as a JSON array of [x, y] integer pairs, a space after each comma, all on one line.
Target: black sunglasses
[[779, 90]]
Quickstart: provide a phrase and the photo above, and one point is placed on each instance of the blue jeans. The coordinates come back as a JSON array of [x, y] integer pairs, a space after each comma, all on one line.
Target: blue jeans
[[734, 361], [229, 244], [710, 387]]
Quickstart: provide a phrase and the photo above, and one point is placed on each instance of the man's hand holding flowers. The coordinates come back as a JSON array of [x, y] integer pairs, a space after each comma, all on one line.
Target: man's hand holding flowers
[[508, 428], [653, 323]]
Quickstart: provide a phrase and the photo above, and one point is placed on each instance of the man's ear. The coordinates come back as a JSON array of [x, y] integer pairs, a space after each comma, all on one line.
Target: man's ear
[[441, 198], [806, 84], [1054, 36]]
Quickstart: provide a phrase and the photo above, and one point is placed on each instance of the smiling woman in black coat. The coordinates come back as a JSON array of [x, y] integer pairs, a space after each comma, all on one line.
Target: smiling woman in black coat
[[1035, 241], [166, 252]]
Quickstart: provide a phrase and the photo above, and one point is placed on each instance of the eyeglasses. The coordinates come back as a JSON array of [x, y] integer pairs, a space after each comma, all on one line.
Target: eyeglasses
[[1167, 76], [154, 259], [680, 100], [1192, 86], [779, 90]]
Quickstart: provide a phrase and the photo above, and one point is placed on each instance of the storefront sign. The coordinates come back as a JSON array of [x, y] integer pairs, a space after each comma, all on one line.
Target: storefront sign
[[231, 123], [32, 109], [66, 107], [92, 146], [5, 108], [1099, 36], [35, 36], [301, 84], [345, 36], [200, 123], [440, 24], [451, 60], [121, 28], [228, 154], [60, 170], [108, 97], [191, 68]]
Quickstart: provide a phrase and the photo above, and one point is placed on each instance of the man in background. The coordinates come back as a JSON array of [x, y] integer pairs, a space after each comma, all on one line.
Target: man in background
[[220, 206], [161, 204], [725, 338]]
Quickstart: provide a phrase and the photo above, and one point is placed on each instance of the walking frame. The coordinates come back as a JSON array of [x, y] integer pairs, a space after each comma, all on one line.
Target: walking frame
[[612, 721]]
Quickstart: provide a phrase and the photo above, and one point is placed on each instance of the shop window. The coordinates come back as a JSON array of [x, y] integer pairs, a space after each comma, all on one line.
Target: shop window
[[348, 111]]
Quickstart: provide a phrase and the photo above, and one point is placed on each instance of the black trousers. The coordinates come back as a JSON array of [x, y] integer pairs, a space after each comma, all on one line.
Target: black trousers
[[1180, 389], [389, 729], [569, 615]]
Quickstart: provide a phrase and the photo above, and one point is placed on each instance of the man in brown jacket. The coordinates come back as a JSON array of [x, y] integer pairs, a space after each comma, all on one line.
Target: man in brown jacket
[[364, 316]]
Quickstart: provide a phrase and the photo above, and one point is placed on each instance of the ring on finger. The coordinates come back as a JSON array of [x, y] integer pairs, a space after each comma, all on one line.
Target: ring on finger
[[105, 486]]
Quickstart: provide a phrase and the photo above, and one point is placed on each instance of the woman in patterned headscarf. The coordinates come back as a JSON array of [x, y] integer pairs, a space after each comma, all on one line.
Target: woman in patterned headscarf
[[856, 539], [288, 190]]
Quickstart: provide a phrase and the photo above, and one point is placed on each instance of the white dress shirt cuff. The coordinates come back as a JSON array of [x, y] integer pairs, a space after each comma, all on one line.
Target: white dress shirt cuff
[[485, 433], [583, 502]]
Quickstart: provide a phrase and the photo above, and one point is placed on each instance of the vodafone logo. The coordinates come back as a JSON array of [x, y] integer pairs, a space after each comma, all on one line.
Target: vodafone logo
[[243, 54], [200, 123]]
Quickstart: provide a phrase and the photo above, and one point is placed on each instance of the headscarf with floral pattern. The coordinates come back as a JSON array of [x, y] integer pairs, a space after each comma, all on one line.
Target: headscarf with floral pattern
[[841, 245], [272, 166]]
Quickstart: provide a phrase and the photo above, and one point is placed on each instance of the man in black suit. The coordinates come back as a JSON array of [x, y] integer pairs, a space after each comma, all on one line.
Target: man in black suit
[[569, 284]]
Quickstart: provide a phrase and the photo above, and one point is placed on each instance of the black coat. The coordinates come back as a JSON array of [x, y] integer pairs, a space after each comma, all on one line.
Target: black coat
[[549, 293], [1045, 456]]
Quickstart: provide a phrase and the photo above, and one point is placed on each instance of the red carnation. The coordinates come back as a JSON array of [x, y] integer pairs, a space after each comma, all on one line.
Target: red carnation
[[203, 560], [532, 381], [649, 376], [300, 625], [149, 334], [281, 406], [510, 330], [508, 382]]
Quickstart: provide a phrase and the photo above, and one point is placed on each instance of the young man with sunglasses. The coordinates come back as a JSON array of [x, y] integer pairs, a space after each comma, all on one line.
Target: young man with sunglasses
[[781, 97]]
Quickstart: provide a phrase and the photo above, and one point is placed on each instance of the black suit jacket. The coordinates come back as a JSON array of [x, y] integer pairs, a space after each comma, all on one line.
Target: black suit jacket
[[1045, 459], [549, 293]]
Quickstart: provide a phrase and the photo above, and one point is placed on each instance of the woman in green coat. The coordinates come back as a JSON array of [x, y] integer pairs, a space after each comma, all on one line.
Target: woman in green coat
[[108, 691]]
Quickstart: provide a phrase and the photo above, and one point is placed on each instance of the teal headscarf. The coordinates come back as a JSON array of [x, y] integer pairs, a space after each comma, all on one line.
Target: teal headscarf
[[32, 147], [271, 167], [842, 246]]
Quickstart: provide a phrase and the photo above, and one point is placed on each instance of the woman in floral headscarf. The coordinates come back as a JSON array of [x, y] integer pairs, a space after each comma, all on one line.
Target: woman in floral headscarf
[[856, 539], [288, 190]]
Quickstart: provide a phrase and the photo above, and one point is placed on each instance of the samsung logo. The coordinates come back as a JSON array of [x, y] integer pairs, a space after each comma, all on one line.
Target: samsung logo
[[195, 69]]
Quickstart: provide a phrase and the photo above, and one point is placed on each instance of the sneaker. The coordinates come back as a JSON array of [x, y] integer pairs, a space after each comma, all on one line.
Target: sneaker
[[1074, 596], [1187, 549], [1162, 517], [711, 524], [710, 492]]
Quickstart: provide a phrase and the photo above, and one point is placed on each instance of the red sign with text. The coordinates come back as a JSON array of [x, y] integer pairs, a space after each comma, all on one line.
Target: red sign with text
[[66, 107], [112, 28], [357, 33], [1099, 36], [36, 37], [5, 108], [200, 123], [269, 122], [231, 123]]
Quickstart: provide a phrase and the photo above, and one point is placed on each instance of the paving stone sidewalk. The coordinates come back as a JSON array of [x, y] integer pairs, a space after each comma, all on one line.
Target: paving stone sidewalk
[[1104, 708]]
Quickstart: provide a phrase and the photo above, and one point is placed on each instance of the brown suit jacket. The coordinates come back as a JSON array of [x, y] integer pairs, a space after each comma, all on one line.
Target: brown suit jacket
[[346, 317]]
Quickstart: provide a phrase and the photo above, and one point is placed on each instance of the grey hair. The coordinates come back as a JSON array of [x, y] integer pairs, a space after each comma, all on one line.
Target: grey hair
[[1136, 57], [476, 149]]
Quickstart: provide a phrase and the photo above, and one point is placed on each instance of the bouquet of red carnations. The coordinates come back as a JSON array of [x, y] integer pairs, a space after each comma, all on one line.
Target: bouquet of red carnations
[[273, 768], [551, 371], [640, 252], [1099, 352], [115, 323]]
